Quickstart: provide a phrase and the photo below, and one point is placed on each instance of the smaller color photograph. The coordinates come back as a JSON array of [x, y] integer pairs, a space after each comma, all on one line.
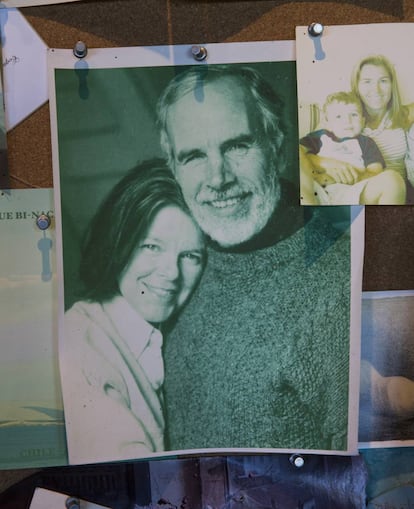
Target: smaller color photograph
[[387, 369], [356, 114]]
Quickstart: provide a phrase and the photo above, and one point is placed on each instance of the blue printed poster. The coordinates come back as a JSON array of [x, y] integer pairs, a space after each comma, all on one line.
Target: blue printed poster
[[32, 431]]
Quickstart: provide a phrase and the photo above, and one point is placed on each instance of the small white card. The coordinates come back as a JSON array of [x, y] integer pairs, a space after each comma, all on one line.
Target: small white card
[[28, 3], [46, 499], [24, 67]]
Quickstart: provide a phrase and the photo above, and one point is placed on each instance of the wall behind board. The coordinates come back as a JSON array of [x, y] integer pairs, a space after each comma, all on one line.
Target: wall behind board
[[389, 251]]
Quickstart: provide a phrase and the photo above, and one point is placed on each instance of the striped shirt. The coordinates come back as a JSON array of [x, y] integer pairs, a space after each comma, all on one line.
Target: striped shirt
[[392, 143]]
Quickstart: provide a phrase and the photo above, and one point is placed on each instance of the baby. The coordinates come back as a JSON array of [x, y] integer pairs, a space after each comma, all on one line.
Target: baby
[[340, 166]]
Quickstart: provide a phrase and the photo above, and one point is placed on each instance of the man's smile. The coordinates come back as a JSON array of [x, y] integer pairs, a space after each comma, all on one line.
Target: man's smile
[[226, 203]]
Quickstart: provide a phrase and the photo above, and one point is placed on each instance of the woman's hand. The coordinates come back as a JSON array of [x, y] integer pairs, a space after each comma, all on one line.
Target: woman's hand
[[338, 171]]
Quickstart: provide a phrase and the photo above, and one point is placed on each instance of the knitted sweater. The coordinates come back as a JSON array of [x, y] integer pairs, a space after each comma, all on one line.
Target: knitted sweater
[[260, 355]]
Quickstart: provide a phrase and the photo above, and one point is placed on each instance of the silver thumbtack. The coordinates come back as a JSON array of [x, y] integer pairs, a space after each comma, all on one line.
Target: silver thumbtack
[[72, 503], [43, 221], [315, 29], [80, 50], [199, 53], [297, 460]]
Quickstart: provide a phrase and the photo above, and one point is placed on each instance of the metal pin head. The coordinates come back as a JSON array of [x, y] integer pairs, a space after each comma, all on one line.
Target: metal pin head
[[72, 503], [43, 221], [199, 53], [80, 50], [297, 460], [315, 29]]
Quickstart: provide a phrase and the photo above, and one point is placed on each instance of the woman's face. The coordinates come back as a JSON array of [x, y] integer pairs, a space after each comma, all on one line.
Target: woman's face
[[374, 87], [165, 266]]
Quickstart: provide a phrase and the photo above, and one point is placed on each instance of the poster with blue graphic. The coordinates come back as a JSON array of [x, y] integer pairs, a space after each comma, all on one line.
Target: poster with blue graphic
[[32, 431]]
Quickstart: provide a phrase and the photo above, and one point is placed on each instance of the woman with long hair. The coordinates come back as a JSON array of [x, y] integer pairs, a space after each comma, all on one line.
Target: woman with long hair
[[142, 258]]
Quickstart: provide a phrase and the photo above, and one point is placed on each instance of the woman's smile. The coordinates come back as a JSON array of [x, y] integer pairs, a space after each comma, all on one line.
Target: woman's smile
[[166, 266]]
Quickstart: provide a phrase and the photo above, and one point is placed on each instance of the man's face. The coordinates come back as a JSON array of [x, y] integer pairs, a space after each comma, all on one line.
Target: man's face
[[223, 167]]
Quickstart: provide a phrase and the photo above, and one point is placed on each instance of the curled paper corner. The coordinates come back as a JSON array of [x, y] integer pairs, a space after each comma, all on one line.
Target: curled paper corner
[[47, 499]]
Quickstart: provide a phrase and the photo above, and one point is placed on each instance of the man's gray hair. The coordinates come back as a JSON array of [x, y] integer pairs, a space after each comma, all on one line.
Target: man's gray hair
[[263, 97]]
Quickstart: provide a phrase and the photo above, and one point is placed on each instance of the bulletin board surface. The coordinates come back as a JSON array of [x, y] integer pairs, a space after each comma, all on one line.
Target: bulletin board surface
[[107, 23], [389, 248]]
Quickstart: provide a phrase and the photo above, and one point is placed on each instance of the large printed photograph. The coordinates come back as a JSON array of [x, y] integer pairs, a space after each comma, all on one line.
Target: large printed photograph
[[201, 308], [356, 115]]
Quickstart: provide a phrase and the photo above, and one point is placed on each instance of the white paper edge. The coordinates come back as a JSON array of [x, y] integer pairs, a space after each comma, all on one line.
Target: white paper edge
[[156, 56], [357, 264], [48, 499], [218, 53], [387, 294], [5, 4]]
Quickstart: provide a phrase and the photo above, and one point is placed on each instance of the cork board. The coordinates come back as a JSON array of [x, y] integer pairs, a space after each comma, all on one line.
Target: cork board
[[389, 248], [109, 23]]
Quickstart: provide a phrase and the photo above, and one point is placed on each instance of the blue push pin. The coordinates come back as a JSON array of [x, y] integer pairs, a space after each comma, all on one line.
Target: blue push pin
[[43, 221], [315, 31]]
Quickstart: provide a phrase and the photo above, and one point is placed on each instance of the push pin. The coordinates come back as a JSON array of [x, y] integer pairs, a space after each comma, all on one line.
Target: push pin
[[80, 50], [43, 221], [297, 460], [72, 503], [199, 53], [315, 29]]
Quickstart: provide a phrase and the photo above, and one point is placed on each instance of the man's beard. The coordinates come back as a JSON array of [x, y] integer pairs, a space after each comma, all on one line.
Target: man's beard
[[237, 228]]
